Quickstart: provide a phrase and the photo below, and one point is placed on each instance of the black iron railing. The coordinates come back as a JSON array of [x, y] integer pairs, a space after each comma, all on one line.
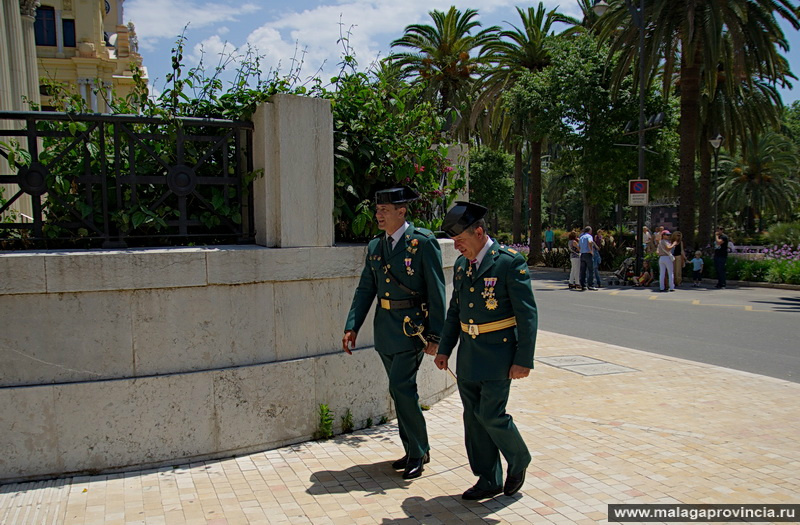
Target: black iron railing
[[124, 180]]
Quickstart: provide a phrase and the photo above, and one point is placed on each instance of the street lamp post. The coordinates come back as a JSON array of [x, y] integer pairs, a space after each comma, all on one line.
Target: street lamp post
[[637, 14], [716, 142]]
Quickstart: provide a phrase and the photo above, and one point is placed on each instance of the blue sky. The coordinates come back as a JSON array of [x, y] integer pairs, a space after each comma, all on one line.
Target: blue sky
[[279, 30]]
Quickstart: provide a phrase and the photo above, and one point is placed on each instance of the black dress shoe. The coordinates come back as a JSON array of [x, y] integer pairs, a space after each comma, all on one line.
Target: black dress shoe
[[400, 464], [474, 493], [414, 467], [514, 483]]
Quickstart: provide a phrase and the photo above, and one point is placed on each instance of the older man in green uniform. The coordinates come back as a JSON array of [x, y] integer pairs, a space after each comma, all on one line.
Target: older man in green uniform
[[493, 316], [404, 270]]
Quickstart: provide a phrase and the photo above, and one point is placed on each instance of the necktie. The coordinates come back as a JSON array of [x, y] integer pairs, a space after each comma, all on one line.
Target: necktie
[[474, 262], [391, 242]]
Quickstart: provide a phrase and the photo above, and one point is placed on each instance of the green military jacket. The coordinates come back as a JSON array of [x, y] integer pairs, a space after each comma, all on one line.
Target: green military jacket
[[416, 263], [500, 289]]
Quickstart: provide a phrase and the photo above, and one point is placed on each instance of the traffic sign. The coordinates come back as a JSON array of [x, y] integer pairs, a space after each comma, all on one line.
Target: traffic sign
[[638, 192]]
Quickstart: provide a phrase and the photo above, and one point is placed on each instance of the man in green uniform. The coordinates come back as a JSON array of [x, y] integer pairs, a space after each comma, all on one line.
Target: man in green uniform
[[493, 316], [404, 270]]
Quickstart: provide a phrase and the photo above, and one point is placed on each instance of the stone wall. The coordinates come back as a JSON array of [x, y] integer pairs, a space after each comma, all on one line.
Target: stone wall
[[122, 359]]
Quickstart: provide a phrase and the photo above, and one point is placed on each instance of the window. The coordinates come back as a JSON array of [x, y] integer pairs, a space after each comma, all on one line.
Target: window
[[69, 32], [45, 26]]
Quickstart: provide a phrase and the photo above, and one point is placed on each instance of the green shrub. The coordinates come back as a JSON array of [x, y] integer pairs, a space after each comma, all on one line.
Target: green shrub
[[558, 258], [503, 238], [784, 233], [792, 274], [347, 422], [325, 429]]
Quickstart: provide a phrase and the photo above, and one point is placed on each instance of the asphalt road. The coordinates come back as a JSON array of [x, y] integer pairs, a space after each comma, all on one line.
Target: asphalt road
[[751, 329]]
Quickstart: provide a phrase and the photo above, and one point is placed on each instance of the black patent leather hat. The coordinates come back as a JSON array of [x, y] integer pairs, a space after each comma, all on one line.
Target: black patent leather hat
[[462, 216], [399, 195]]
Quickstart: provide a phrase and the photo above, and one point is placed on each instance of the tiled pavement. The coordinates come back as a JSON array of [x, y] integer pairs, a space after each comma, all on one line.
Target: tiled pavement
[[666, 431]]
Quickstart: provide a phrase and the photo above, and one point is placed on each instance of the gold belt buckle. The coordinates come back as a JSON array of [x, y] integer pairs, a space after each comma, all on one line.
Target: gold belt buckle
[[386, 304], [473, 330]]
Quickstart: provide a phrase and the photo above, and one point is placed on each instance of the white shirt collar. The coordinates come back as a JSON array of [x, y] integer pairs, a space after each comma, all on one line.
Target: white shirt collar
[[398, 234], [482, 253]]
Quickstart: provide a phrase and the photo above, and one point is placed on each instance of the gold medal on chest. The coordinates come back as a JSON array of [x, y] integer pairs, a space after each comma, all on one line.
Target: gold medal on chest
[[488, 292]]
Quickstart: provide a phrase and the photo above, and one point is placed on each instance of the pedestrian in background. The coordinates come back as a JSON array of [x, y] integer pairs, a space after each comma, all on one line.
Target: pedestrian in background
[[646, 278], [657, 237], [574, 261], [679, 252], [666, 265], [586, 244], [549, 238], [697, 268], [647, 240], [721, 257], [596, 259]]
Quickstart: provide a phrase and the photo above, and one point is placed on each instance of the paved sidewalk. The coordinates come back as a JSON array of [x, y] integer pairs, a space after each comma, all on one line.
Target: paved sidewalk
[[657, 430]]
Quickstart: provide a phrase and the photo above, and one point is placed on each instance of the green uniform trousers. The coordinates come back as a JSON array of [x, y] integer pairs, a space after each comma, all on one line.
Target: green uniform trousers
[[489, 431], [402, 371]]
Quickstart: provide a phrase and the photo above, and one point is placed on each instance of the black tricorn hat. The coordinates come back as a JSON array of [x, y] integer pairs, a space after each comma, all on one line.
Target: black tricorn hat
[[462, 216], [399, 195]]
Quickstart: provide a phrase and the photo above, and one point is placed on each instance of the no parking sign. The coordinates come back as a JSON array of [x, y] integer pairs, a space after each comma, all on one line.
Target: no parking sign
[[638, 192]]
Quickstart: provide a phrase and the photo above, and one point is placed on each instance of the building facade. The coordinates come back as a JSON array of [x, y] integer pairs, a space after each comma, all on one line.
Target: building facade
[[86, 44], [82, 44]]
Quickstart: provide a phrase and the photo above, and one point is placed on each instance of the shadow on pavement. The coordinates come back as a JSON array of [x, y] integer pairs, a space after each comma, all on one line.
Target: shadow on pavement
[[784, 304], [449, 509]]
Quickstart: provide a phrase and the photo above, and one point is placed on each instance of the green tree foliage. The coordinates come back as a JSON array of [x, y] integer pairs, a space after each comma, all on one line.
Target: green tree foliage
[[522, 50], [791, 122], [445, 57], [763, 181], [384, 137], [684, 40], [491, 184]]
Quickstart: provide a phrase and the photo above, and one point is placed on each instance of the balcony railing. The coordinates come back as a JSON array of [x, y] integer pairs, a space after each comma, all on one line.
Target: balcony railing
[[122, 180]]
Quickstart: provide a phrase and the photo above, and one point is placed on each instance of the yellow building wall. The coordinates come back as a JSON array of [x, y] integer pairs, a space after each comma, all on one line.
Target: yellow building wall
[[91, 68], [94, 66]]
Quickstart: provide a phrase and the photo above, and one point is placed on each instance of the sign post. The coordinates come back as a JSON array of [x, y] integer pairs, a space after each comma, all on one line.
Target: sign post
[[638, 197], [638, 192]]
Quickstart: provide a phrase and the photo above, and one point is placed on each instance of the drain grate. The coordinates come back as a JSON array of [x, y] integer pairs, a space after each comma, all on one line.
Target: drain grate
[[585, 366]]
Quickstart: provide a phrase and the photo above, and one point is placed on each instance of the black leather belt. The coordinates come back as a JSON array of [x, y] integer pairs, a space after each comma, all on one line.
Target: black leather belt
[[389, 304]]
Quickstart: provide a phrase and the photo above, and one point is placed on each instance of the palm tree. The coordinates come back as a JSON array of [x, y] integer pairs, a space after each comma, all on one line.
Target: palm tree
[[687, 36], [747, 110], [446, 55], [519, 50], [763, 180]]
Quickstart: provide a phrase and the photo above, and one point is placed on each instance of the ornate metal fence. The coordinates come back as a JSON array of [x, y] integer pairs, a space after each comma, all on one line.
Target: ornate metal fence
[[122, 180]]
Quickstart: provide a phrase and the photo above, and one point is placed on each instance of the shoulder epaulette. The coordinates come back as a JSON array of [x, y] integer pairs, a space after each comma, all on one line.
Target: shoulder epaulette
[[508, 251], [423, 231]]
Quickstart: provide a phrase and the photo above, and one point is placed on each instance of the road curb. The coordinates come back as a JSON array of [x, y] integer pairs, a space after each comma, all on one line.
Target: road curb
[[739, 284]]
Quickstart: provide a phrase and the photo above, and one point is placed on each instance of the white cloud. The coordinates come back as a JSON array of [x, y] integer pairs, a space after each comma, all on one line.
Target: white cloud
[[374, 24], [211, 50], [157, 19], [304, 29]]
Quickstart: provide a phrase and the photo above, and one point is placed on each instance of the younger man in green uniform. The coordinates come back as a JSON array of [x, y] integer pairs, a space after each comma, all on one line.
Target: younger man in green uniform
[[404, 270], [493, 316]]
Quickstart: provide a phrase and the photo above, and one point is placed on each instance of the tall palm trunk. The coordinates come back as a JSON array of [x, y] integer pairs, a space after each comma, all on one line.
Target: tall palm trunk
[[690, 115], [535, 200], [705, 205], [516, 213]]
